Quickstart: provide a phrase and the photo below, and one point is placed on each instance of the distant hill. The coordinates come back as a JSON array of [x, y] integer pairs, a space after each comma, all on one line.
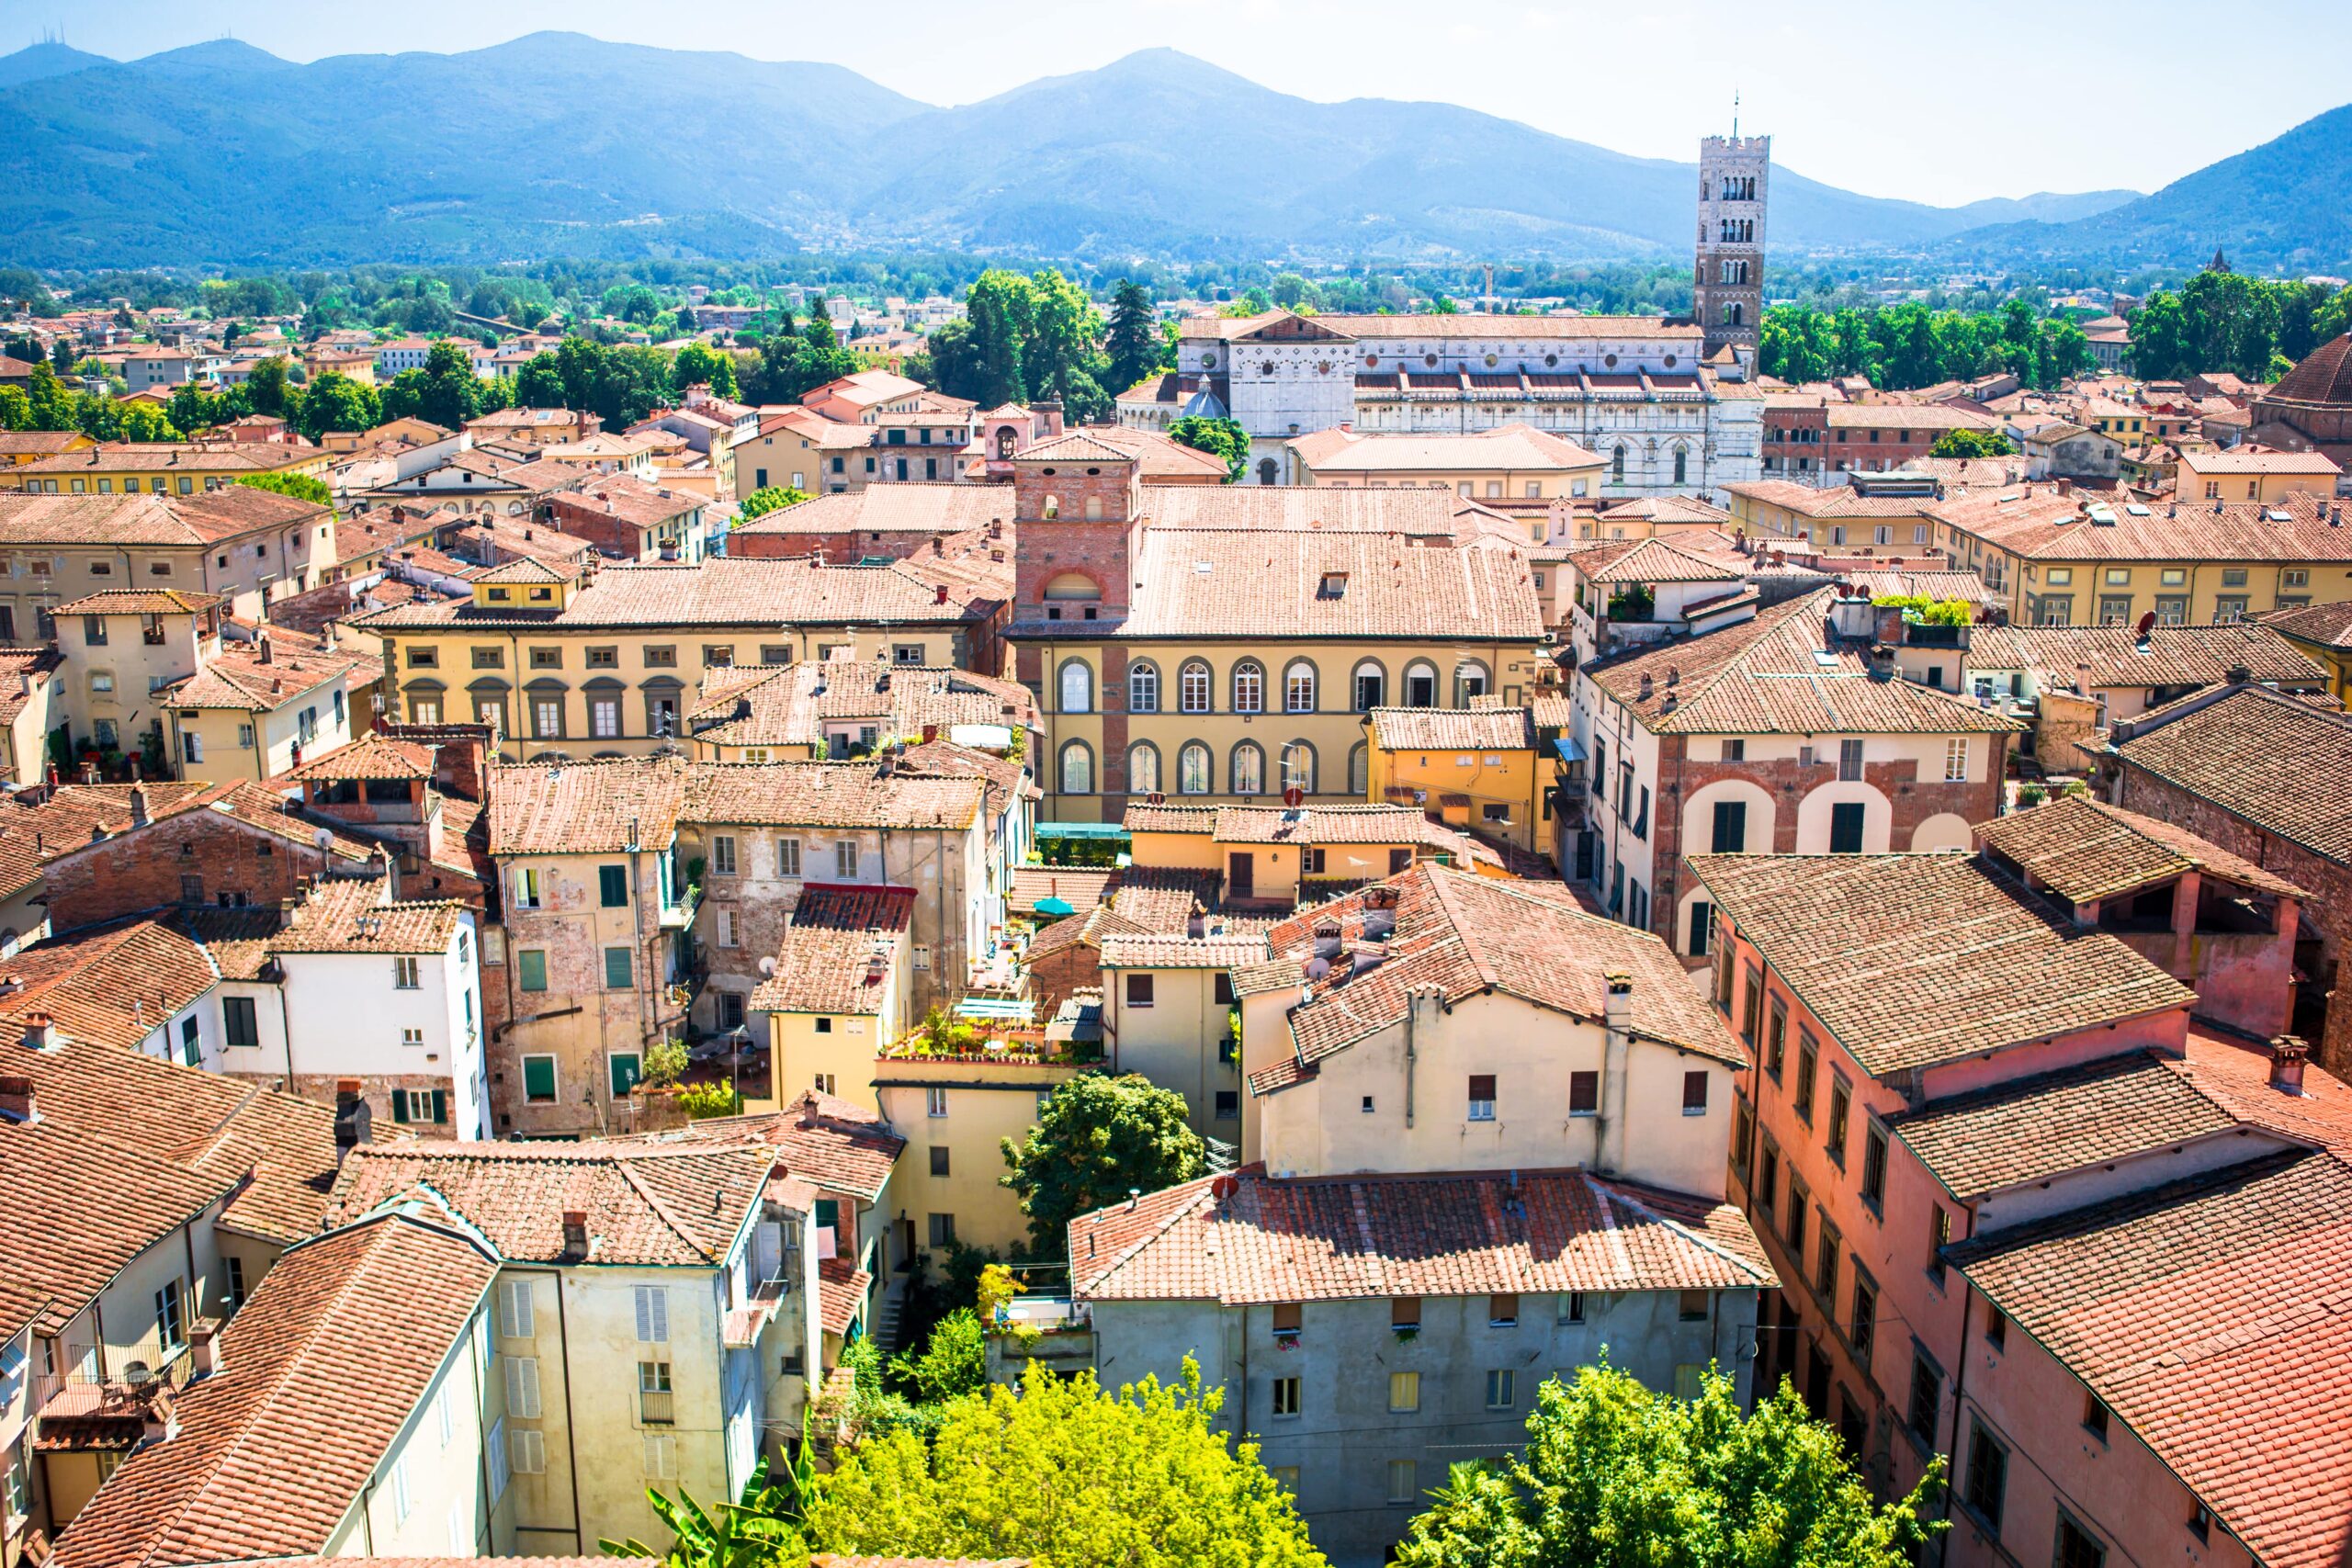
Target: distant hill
[[559, 144], [2280, 206]]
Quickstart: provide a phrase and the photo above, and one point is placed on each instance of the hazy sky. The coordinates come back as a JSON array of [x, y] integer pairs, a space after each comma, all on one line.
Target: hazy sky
[[1938, 103]]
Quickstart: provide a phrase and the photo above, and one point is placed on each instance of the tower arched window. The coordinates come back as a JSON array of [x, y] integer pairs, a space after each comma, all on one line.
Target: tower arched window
[[1192, 686], [1143, 767], [1372, 685], [1360, 769], [1298, 687], [1268, 470], [1247, 773], [1004, 443], [1298, 765], [1142, 688], [1682, 464], [1076, 686], [1617, 464], [1077, 769]]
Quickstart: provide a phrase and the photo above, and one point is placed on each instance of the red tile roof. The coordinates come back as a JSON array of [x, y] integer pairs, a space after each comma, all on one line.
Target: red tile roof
[[823, 963], [2262, 756], [319, 1372], [1453, 729], [1273, 585], [2084, 848], [841, 1146], [1249, 1238], [1079, 887], [1909, 960], [2167, 656], [2200, 1312], [606, 806], [826, 794]]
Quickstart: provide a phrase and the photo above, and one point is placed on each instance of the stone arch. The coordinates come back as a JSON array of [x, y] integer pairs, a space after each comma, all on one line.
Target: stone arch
[[1762, 818], [1944, 830], [1814, 816]]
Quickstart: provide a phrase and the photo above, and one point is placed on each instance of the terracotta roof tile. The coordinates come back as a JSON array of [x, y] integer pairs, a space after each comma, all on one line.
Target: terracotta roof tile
[[839, 1145], [2085, 850], [31, 835], [829, 795], [823, 961], [2040, 524], [2202, 1312], [1909, 960], [727, 591], [2168, 656], [1650, 560], [1160, 952], [1280, 585], [321, 1372], [2264, 757], [789, 705], [346, 915], [205, 517], [372, 756], [1249, 1239], [1453, 729], [597, 808]]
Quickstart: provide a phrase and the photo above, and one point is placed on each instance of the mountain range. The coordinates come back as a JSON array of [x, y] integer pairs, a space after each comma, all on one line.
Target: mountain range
[[559, 144]]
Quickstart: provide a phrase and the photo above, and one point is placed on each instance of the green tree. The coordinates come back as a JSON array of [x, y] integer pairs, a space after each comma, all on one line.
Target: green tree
[[301, 487], [1000, 314], [953, 1360], [48, 406], [1063, 356], [1069, 1476], [1966, 442], [1219, 437], [450, 393], [540, 384], [773, 498], [267, 386], [1132, 345], [402, 397], [15, 409], [144, 421], [1096, 1139], [335, 402], [1616, 1475], [60, 356], [699, 364], [632, 302]]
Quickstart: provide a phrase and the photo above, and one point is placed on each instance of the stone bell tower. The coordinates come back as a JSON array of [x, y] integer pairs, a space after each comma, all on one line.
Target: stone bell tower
[[1728, 289]]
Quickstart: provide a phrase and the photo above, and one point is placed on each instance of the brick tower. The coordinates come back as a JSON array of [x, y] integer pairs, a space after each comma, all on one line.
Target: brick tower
[[1727, 290]]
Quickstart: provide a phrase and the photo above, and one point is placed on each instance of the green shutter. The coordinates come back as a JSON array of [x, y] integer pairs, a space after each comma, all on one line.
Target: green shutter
[[829, 1212], [535, 968], [618, 975], [440, 1105], [624, 1071], [612, 882], [538, 1077], [399, 1105]]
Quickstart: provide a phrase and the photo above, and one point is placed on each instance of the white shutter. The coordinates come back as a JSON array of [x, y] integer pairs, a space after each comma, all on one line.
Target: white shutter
[[501, 1470], [462, 1540], [661, 1457], [514, 1309], [653, 1314], [529, 1452], [523, 1387]]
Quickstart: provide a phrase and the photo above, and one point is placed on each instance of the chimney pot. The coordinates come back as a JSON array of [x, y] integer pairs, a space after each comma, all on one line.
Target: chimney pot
[[40, 1031], [204, 1348], [2287, 1054], [17, 1099]]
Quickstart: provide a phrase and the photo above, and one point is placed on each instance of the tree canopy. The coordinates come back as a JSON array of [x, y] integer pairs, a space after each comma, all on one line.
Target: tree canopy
[[772, 497], [1070, 1476], [1024, 340], [1132, 344], [1967, 442], [2224, 320], [1615, 1475], [1907, 345], [1096, 1138], [1219, 437], [301, 487]]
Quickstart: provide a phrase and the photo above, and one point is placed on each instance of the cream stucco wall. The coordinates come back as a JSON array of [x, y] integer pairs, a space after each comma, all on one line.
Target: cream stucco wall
[[984, 1102]]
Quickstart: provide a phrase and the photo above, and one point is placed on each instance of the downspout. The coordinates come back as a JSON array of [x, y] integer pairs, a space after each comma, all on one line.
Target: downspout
[[1412, 1013], [1959, 1393]]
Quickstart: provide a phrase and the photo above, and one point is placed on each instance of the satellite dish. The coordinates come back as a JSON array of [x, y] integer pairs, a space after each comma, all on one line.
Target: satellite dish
[[2147, 625], [323, 838], [767, 965], [1294, 797]]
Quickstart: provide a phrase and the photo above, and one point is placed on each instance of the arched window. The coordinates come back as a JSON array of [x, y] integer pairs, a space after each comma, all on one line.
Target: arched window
[[1076, 687], [1248, 687], [1004, 443], [1247, 775], [1192, 769], [1298, 687], [1268, 470], [1421, 684], [1192, 686], [1617, 466], [1142, 688], [1298, 765], [1371, 686], [1052, 508], [1359, 770], [1143, 767], [1078, 768], [1732, 316], [1068, 585], [1682, 464], [1469, 681]]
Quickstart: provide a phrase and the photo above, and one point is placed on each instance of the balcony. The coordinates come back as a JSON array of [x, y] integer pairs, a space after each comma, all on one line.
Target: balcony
[[656, 1409]]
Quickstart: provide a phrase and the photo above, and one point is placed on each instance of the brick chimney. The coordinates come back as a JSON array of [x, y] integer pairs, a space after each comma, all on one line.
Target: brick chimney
[[1618, 1008], [204, 1348], [352, 1118], [40, 1031], [17, 1101], [2287, 1054], [138, 806]]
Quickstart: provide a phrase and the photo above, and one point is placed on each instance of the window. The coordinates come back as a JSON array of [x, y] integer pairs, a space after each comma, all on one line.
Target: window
[[1842, 1100], [1873, 1164], [654, 1402], [942, 1230], [1139, 990], [171, 1324], [94, 630], [1076, 686], [846, 860], [1502, 1388], [1955, 761], [935, 1101], [623, 1069], [1248, 687], [404, 973], [1403, 1485], [729, 932], [1776, 1038], [1927, 1397], [1862, 1324], [1142, 688], [1502, 1312], [1248, 773], [1298, 687], [653, 1303], [1227, 1104], [400, 1489], [1371, 686], [236, 1267], [1482, 1097], [938, 1159], [1694, 1093], [1731, 827], [1996, 1330], [538, 1080], [532, 968], [619, 970], [1702, 920], [1824, 1262], [1940, 1237], [612, 886], [1846, 828], [1192, 686], [1849, 759], [1988, 1475], [1192, 769], [1285, 1396], [191, 1041], [240, 1025], [1077, 769], [2095, 1416], [722, 854], [1289, 1316], [2201, 1522], [1583, 1094], [2076, 1547]]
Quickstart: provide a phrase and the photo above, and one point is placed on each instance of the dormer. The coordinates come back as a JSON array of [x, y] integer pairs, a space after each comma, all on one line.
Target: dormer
[[523, 585]]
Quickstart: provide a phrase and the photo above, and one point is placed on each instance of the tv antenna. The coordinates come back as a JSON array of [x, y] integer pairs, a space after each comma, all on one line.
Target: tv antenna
[[1734, 114]]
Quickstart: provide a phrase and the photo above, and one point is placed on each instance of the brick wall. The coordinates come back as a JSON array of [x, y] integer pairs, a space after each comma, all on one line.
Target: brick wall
[[2327, 914], [376, 1089], [143, 868], [840, 547]]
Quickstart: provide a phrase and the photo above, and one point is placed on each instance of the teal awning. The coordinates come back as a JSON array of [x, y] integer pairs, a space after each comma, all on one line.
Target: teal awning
[[1568, 749], [1055, 906], [1104, 831]]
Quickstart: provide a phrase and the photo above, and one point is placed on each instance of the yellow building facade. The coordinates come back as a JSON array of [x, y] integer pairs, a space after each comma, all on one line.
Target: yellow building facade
[[160, 467], [1475, 768], [955, 1113]]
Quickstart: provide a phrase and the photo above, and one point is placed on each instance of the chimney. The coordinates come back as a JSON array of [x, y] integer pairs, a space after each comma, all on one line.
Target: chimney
[[138, 806], [575, 1233], [2065, 487], [163, 1420], [352, 1118], [929, 733], [938, 545], [809, 1109], [204, 1347], [2287, 1053], [2239, 675], [941, 594], [1618, 1008], [261, 647], [40, 1031], [17, 1101]]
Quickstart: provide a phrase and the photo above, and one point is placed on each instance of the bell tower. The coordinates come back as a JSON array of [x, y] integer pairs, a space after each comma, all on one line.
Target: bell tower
[[1728, 289]]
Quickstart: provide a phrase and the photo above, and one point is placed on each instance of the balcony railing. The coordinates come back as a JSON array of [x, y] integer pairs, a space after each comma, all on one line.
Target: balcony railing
[[655, 1409]]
